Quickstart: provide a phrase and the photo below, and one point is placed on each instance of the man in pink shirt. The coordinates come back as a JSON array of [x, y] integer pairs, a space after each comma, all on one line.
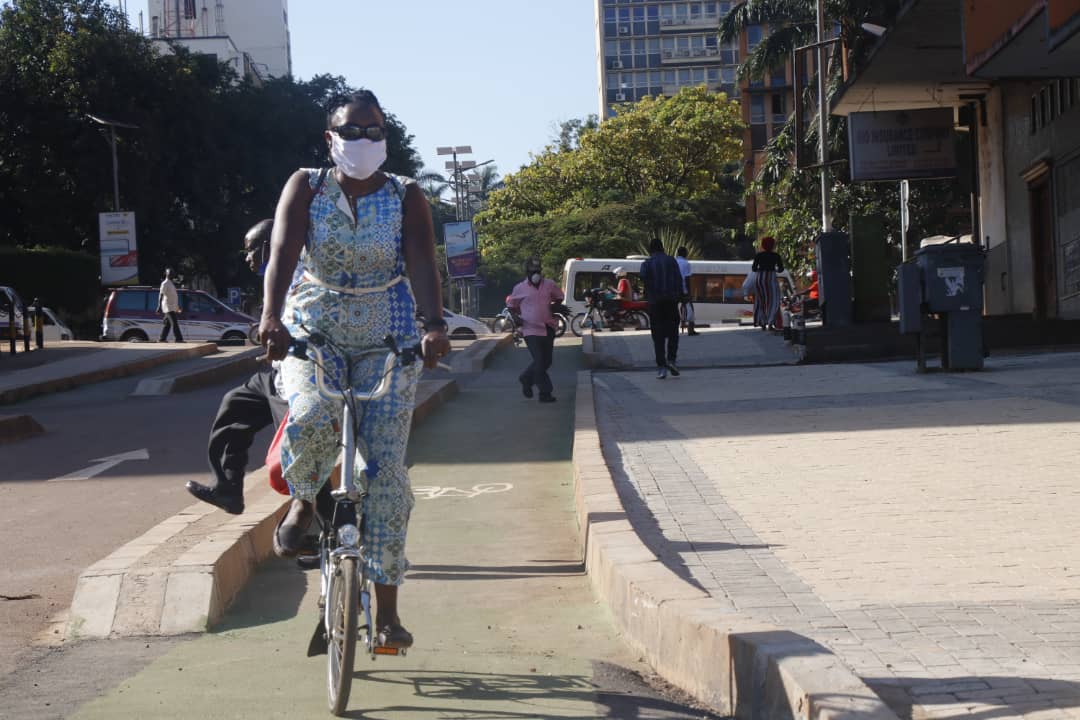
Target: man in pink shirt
[[532, 297]]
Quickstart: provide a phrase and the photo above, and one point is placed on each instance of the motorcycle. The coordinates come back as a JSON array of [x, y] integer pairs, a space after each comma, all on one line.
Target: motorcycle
[[509, 321], [605, 308]]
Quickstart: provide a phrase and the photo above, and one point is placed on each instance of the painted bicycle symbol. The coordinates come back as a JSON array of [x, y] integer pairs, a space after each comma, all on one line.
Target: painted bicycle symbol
[[431, 492]]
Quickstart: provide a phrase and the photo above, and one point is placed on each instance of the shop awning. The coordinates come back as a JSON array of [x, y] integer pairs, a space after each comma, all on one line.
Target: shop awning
[[917, 63]]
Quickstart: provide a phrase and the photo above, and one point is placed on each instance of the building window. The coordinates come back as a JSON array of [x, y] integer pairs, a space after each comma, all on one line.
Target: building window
[[757, 110], [779, 76], [754, 35], [779, 109], [154, 29]]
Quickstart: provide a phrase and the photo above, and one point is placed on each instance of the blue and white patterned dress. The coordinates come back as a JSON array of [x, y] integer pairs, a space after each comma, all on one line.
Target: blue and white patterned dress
[[366, 258]]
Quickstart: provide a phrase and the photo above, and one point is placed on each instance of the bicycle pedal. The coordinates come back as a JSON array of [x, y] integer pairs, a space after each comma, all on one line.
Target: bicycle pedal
[[383, 650]]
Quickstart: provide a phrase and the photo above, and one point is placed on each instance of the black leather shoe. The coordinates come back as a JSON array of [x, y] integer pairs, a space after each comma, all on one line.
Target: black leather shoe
[[232, 504], [547, 398], [526, 389], [289, 534]]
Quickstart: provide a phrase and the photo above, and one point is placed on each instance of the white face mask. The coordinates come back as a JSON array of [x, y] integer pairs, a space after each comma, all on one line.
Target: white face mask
[[357, 158], [535, 278]]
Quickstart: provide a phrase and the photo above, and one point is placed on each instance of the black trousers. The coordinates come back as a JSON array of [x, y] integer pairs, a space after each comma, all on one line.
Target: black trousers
[[664, 327], [542, 348], [244, 411], [171, 319]]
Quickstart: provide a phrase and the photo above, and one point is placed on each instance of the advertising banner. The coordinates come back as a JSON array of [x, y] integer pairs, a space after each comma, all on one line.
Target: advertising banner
[[460, 250], [902, 144], [119, 256]]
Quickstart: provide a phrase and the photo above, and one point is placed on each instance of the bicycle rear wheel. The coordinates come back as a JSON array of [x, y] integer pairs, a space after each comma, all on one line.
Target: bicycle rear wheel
[[344, 599]]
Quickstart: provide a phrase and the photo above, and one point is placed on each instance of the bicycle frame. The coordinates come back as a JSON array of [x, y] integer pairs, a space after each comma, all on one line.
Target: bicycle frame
[[348, 495]]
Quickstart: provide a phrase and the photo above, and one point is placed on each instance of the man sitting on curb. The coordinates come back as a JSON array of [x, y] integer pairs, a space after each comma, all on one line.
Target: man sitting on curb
[[244, 411]]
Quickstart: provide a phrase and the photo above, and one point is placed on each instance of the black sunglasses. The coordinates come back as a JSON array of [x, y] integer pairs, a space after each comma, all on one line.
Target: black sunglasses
[[352, 131]]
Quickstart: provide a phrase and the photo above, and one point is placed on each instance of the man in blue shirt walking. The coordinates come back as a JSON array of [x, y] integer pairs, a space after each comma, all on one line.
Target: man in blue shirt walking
[[663, 288]]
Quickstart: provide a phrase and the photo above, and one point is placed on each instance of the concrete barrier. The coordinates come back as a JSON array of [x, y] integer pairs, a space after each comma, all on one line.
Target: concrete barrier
[[180, 576], [216, 370], [733, 663]]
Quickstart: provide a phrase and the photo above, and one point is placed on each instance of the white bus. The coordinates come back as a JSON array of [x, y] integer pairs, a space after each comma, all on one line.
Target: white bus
[[715, 285]]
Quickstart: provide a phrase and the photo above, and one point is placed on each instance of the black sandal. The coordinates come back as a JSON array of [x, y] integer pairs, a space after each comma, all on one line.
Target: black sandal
[[394, 636]]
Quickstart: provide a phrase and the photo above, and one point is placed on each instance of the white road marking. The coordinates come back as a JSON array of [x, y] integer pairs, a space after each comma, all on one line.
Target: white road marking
[[103, 464], [431, 492]]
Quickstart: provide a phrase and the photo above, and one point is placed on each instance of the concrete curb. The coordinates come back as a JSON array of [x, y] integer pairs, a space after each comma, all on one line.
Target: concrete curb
[[734, 664], [123, 595], [18, 427], [478, 355], [112, 372], [594, 359], [243, 363]]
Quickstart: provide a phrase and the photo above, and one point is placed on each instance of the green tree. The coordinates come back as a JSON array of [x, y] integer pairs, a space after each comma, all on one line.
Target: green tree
[[793, 196]]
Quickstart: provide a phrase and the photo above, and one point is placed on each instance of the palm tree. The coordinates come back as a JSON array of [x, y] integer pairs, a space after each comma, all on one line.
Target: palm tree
[[433, 184]]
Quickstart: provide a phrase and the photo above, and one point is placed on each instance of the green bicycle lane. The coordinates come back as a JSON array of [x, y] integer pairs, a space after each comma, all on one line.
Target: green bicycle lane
[[505, 620]]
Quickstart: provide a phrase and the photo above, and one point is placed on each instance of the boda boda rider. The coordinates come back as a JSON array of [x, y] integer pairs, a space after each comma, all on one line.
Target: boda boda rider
[[368, 251]]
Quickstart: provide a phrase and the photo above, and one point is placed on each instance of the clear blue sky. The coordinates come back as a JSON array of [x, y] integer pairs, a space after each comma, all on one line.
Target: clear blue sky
[[499, 75]]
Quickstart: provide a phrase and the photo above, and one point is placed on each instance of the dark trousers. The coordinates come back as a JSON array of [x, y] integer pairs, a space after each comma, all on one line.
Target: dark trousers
[[664, 326], [541, 348], [244, 411], [171, 319]]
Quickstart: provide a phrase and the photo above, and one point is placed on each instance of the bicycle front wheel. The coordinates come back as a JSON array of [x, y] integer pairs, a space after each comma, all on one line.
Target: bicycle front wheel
[[344, 599], [576, 323]]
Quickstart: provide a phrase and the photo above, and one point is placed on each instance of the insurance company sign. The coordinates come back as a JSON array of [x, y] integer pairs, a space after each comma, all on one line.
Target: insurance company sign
[[119, 256], [902, 144]]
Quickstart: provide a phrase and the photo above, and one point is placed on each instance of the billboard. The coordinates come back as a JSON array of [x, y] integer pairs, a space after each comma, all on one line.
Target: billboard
[[460, 250], [119, 256], [902, 144]]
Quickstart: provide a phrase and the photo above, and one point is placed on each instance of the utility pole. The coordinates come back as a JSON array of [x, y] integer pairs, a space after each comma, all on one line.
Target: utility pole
[[823, 120], [113, 124]]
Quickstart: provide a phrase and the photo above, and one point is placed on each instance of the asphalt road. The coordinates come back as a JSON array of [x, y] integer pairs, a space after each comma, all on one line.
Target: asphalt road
[[50, 531]]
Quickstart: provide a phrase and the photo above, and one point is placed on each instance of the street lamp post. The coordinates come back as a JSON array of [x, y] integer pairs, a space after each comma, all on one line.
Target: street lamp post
[[113, 124]]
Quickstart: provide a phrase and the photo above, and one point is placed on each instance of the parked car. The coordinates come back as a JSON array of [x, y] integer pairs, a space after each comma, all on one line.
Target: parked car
[[131, 316], [463, 327], [8, 299], [54, 329]]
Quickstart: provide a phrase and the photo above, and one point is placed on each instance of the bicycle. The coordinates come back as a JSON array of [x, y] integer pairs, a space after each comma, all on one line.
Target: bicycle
[[345, 588], [604, 309]]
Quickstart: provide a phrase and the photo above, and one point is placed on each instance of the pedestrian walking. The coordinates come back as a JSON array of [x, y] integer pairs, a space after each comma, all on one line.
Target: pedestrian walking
[[686, 302], [532, 297], [169, 307], [766, 287], [663, 288]]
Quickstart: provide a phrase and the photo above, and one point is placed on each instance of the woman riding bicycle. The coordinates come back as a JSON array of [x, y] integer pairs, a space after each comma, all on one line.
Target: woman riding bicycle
[[367, 243]]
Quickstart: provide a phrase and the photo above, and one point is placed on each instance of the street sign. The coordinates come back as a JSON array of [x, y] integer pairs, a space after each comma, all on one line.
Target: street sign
[[234, 296], [119, 256], [902, 144]]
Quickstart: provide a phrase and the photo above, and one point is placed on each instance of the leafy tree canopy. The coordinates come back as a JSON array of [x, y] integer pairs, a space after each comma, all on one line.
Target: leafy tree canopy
[[208, 159]]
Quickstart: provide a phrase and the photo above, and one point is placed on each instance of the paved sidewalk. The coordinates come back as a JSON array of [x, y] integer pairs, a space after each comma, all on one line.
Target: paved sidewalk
[[722, 345], [923, 527]]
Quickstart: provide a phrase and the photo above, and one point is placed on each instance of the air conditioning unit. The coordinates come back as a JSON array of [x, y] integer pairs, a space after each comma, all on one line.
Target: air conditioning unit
[[617, 64], [624, 29], [619, 97]]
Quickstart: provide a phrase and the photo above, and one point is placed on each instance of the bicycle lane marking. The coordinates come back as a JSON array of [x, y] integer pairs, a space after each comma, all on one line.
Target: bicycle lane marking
[[432, 492]]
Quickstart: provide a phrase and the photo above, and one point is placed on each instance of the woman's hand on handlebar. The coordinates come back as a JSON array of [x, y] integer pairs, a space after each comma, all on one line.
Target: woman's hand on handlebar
[[435, 345], [274, 337]]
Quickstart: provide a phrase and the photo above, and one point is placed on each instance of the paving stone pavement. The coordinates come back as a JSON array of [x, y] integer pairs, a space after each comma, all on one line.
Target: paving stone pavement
[[724, 344], [924, 527]]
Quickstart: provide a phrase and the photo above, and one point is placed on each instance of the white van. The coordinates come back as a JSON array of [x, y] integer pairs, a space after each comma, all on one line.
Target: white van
[[715, 285]]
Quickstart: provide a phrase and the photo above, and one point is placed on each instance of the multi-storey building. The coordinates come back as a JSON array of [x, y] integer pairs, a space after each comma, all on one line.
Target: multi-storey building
[[766, 105], [253, 35], [657, 47]]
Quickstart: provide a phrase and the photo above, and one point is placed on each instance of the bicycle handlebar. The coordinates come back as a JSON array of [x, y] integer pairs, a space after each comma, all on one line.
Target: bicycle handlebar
[[300, 348]]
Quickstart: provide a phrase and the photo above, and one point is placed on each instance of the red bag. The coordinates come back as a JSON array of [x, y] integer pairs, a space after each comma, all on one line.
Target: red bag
[[273, 459]]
